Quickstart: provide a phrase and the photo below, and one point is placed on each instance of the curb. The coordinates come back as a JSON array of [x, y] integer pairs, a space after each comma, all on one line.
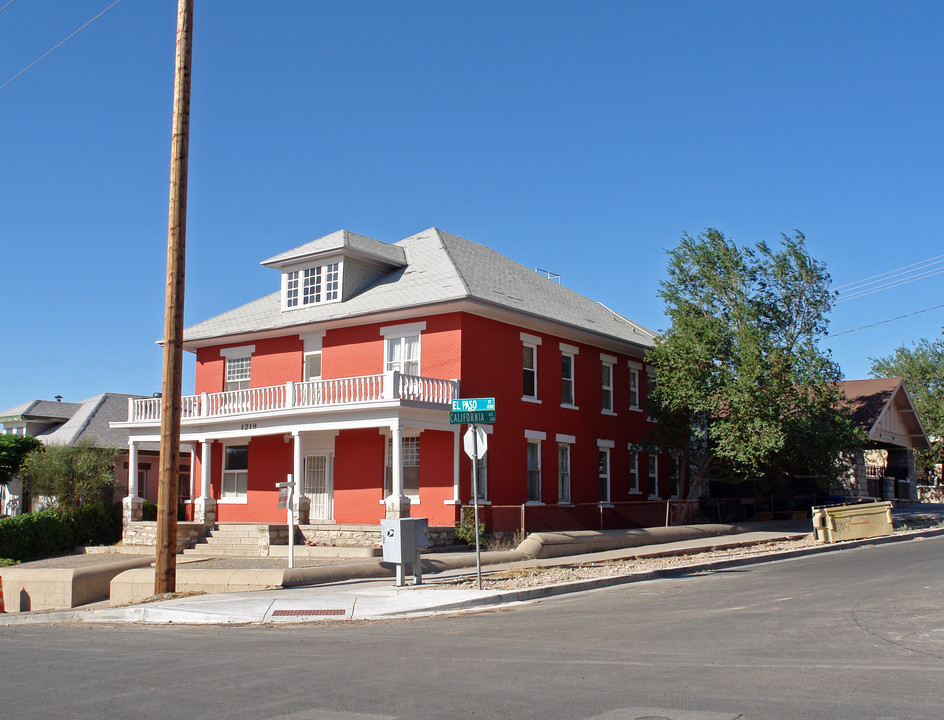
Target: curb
[[539, 593]]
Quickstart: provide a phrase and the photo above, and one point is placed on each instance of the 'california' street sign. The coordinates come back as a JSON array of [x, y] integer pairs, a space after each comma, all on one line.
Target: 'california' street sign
[[472, 410]]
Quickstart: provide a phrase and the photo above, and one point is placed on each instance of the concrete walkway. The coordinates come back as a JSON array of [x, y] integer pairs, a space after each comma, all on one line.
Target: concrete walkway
[[372, 598]]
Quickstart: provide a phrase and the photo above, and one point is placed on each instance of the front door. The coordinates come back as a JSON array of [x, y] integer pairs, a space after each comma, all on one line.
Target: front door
[[318, 486]]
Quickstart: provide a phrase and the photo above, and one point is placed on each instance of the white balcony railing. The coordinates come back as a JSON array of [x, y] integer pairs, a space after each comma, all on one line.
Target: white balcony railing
[[294, 395]]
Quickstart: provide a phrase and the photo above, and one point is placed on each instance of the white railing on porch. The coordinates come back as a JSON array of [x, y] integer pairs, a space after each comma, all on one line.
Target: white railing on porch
[[314, 394]]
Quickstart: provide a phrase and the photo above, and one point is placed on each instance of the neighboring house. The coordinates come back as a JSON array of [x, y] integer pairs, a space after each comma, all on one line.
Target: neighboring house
[[885, 469], [344, 376], [61, 423]]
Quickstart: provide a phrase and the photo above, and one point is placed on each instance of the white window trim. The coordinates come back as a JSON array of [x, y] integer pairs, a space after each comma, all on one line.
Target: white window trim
[[611, 361], [606, 447], [312, 341], [300, 268], [537, 438], [569, 439], [634, 466], [653, 477], [233, 500], [534, 347], [570, 474], [237, 352], [568, 351], [393, 331]]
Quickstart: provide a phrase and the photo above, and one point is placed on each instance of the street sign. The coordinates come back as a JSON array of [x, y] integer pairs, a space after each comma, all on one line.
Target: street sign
[[475, 442], [472, 410]]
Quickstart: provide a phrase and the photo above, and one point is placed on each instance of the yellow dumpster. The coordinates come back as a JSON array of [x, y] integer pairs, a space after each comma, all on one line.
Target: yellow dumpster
[[833, 523]]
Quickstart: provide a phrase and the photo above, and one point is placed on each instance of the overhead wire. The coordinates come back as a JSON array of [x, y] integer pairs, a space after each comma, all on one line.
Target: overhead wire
[[7, 5], [882, 322], [907, 273], [63, 42]]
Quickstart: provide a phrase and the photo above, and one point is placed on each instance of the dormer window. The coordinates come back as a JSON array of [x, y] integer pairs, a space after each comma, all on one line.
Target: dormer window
[[311, 286]]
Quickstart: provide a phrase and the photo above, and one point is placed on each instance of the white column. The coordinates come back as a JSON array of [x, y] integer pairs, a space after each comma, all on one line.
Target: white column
[[396, 460], [193, 463], [132, 469], [298, 464], [205, 448]]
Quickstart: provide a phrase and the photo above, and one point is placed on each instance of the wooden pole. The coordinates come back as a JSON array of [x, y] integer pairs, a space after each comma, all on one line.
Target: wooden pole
[[165, 566]]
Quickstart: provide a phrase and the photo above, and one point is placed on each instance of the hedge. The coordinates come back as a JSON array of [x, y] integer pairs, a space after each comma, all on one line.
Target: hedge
[[51, 532]]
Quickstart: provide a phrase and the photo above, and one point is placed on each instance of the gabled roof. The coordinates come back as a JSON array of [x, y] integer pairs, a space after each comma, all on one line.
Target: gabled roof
[[341, 242], [87, 421], [879, 404], [440, 268]]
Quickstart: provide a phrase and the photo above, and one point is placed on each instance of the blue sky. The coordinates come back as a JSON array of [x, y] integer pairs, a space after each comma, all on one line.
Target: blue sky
[[579, 137]]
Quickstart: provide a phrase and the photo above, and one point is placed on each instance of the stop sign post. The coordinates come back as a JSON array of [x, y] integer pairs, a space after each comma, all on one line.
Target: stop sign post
[[475, 442]]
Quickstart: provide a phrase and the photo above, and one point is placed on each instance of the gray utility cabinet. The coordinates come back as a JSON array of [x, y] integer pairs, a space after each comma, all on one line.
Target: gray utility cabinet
[[402, 537]]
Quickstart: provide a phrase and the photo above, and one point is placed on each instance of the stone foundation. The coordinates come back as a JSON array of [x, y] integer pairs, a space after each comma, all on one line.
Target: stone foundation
[[144, 533]]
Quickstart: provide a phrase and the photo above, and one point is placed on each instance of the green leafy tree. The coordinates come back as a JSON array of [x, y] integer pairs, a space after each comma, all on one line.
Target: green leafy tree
[[922, 368], [13, 451], [743, 390], [71, 474]]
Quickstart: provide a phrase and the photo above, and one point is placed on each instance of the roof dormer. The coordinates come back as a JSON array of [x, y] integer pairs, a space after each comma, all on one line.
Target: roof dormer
[[333, 268]]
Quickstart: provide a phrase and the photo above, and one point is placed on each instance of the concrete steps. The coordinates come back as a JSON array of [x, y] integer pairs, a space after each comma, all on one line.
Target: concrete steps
[[271, 540]]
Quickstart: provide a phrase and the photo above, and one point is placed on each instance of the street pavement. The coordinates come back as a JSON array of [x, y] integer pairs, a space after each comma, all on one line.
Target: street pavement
[[368, 599]]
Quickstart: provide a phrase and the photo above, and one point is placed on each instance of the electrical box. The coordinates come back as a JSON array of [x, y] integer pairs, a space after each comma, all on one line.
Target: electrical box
[[402, 537]]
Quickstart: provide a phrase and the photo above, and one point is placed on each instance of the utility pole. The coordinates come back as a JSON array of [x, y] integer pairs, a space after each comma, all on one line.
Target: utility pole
[[165, 566]]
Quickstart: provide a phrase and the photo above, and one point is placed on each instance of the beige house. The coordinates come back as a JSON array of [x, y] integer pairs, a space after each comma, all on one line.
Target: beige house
[[885, 469]]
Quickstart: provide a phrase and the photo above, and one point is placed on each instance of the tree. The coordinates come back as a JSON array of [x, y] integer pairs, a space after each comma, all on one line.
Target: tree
[[922, 368], [743, 388], [72, 474], [13, 451]]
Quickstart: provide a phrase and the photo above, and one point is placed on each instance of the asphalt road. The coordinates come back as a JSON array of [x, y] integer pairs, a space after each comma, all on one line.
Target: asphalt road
[[848, 635]]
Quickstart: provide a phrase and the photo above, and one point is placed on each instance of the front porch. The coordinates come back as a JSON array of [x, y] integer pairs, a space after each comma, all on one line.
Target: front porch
[[340, 440]]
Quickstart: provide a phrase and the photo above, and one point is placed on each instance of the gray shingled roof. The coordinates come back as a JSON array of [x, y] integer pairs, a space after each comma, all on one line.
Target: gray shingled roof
[[440, 267], [87, 421], [40, 410], [342, 241]]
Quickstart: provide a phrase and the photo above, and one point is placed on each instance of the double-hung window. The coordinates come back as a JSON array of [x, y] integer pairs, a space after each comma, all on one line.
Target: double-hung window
[[402, 347], [653, 476], [534, 471], [633, 471], [237, 367], [235, 472], [634, 369], [563, 473], [675, 475], [606, 382], [568, 393], [529, 366], [652, 404], [603, 468]]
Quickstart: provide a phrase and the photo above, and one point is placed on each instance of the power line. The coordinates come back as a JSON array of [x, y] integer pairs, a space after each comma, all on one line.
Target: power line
[[886, 280], [914, 278], [882, 322], [7, 5], [63, 42]]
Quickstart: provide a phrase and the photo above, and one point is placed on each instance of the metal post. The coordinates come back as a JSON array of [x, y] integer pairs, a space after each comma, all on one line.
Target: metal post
[[291, 522], [475, 501]]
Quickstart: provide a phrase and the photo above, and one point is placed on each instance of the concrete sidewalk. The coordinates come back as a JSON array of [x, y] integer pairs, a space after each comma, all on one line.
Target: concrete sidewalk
[[369, 598]]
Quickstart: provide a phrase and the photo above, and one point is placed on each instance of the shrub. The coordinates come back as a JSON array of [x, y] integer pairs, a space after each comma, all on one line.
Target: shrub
[[465, 527], [53, 532]]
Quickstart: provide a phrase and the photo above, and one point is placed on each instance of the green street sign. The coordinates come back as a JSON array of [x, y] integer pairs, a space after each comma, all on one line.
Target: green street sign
[[472, 418], [470, 411]]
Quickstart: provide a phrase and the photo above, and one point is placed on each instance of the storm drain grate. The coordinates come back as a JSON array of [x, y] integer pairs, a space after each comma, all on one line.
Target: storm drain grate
[[285, 613]]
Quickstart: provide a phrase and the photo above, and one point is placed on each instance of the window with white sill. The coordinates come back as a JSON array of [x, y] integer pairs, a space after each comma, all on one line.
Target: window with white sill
[[534, 471], [563, 473], [607, 386], [403, 354], [603, 456], [238, 371], [235, 472]]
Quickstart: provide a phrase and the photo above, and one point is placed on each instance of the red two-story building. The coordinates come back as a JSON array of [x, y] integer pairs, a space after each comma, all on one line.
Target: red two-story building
[[344, 377]]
